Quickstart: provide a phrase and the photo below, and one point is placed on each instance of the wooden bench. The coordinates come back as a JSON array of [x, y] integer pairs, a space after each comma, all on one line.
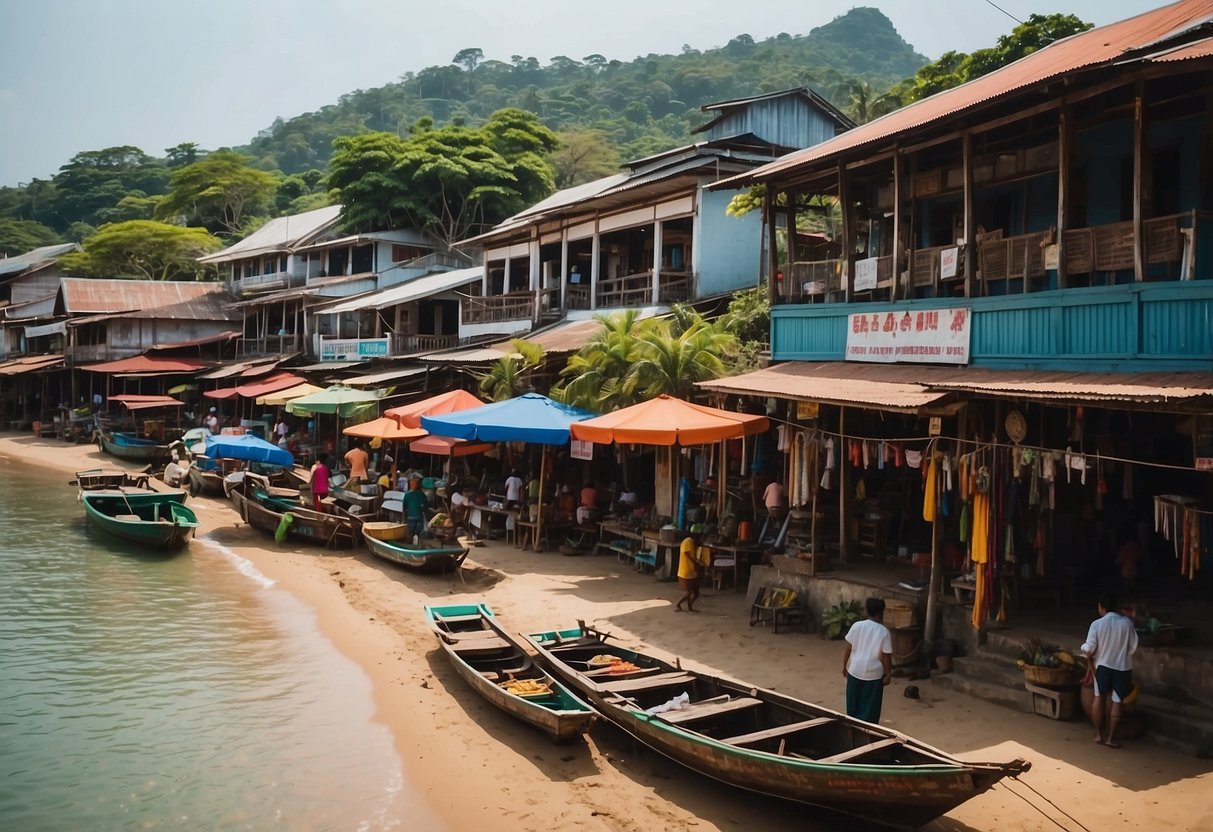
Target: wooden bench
[[860, 751], [663, 680], [481, 645], [707, 710], [778, 731]]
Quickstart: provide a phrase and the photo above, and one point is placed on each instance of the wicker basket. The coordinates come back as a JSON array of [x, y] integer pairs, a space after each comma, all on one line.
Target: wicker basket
[[1055, 677], [898, 614]]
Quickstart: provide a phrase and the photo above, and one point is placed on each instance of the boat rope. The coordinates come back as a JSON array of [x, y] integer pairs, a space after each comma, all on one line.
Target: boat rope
[[1028, 786]]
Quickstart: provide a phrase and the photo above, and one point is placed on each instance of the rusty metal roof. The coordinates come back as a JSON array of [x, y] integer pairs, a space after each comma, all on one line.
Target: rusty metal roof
[[1103, 45], [101, 296], [882, 386], [280, 234]]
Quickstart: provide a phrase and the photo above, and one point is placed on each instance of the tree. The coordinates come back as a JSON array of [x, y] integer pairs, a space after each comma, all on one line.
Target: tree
[[180, 155], [583, 156], [748, 317], [469, 59], [510, 375], [672, 358], [20, 236], [218, 192], [595, 376], [144, 248], [95, 180]]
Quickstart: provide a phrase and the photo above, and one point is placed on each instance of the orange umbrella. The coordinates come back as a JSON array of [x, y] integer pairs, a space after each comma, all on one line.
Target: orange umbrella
[[409, 415], [389, 430], [667, 421]]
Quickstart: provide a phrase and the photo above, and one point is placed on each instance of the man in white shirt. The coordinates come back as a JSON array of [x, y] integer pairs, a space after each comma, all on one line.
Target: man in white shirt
[[212, 421], [867, 663], [1110, 645], [281, 431], [513, 490]]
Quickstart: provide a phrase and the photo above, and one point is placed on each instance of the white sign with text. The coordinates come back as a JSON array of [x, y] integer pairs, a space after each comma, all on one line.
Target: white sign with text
[[865, 275], [580, 449], [930, 336]]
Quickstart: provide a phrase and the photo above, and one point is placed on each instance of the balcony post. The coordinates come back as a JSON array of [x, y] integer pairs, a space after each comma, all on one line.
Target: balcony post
[[536, 283], [657, 230], [595, 261], [898, 219], [1139, 247], [772, 219], [970, 228], [848, 231], [564, 269], [1065, 135]]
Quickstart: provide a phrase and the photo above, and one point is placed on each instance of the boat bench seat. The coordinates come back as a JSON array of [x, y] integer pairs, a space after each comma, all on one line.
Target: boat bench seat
[[778, 731], [707, 710], [663, 680], [860, 751], [480, 645], [134, 517], [456, 619]]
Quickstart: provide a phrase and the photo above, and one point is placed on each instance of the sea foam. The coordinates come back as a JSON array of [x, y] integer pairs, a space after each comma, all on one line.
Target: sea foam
[[243, 565]]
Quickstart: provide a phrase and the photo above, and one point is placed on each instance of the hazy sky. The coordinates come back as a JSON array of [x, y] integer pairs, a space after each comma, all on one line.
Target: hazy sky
[[87, 74]]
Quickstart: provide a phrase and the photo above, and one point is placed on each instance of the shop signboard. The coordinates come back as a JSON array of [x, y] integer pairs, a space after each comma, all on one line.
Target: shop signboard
[[948, 260], [353, 349], [927, 336], [580, 449], [865, 275], [807, 410]]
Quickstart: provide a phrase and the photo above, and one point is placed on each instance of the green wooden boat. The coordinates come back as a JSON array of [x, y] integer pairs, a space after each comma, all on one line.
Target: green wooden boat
[[764, 741], [151, 518], [388, 542], [494, 664]]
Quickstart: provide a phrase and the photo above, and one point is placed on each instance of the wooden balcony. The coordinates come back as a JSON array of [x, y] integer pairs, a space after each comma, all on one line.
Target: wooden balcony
[[268, 345], [674, 287], [261, 283], [627, 290], [514, 306], [408, 344], [807, 279]]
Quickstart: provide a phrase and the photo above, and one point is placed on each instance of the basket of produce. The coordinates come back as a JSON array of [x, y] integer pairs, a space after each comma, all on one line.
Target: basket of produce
[[527, 688], [1047, 665]]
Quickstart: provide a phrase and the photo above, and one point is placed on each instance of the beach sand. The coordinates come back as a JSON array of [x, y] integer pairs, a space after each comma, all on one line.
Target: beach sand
[[477, 768]]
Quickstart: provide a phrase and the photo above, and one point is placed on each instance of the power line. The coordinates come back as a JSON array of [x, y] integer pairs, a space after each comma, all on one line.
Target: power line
[[1004, 11]]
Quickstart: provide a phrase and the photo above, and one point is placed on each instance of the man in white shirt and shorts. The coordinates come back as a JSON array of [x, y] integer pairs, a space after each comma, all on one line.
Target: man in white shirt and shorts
[[867, 663], [1110, 645]]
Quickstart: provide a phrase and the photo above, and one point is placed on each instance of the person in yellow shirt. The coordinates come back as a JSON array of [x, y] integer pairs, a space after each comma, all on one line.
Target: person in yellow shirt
[[692, 559]]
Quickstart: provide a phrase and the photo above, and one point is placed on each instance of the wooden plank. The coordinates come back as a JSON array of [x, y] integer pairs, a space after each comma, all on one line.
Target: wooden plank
[[480, 646], [1139, 149], [860, 751], [456, 619], [647, 683], [778, 731], [848, 232], [695, 713], [970, 226], [898, 232]]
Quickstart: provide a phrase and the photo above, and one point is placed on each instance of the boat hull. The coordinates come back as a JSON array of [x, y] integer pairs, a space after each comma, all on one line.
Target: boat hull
[[563, 716], [416, 558], [132, 448], [307, 526], [900, 783], [206, 483], [152, 519]]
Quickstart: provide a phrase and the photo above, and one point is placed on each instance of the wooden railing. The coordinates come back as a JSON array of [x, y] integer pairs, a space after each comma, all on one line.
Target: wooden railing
[[268, 345], [810, 278], [578, 296], [435, 260], [262, 282], [514, 306], [674, 287], [627, 290], [1021, 257], [408, 343]]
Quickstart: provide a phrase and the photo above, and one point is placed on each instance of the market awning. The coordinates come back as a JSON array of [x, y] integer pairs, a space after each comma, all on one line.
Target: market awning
[[881, 386], [666, 420], [384, 378], [29, 363], [252, 391], [528, 418], [146, 365], [137, 402], [281, 397], [1143, 388], [58, 328], [410, 415]]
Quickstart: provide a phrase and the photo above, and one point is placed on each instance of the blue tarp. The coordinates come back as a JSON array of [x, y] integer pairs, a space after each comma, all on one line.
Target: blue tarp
[[248, 448], [528, 418]]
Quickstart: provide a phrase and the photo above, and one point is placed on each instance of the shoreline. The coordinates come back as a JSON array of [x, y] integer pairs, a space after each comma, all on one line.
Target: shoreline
[[473, 765]]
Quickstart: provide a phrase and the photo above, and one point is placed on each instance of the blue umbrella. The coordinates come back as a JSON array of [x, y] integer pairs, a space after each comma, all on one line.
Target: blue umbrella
[[247, 447], [528, 418]]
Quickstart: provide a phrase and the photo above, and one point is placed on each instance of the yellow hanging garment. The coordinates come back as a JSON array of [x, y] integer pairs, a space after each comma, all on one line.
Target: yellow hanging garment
[[929, 491]]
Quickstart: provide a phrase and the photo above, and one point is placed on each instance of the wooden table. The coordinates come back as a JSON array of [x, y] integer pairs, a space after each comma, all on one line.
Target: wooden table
[[532, 536], [740, 554], [482, 517]]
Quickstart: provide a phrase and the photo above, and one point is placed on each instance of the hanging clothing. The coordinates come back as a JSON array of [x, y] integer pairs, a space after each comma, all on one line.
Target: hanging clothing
[[930, 495]]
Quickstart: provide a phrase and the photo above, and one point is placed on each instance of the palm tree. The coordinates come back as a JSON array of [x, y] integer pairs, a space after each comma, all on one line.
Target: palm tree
[[510, 375], [671, 358], [594, 376]]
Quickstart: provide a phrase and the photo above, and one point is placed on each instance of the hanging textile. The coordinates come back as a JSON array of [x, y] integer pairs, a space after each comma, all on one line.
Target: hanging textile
[[930, 496]]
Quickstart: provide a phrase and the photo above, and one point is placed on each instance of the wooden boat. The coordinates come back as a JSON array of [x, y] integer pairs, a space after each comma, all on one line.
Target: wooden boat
[[95, 479], [390, 542], [305, 526], [489, 659], [152, 518], [132, 448], [206, 481], [764, 741]]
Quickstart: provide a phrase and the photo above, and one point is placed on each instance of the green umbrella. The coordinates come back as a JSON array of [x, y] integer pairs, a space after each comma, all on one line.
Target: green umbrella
[[340, 400]]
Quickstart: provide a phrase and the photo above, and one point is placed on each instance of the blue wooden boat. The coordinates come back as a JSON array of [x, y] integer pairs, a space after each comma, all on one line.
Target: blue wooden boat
[[132, 448], [494, 664], [764, 741], [150, 518]]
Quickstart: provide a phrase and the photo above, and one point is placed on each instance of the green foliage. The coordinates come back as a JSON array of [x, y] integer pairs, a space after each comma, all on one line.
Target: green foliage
[[583, 156], [93, 182], [595, 377], [218, 192], [838, 619], [748, 317], [143, 248], [447, 182], [20, 236], [510, 375], [955, 68], [1040, 653]]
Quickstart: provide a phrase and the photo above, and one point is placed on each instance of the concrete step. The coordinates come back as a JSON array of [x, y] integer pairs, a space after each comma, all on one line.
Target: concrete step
[[993, 669], [972, 683], [1186, 727]]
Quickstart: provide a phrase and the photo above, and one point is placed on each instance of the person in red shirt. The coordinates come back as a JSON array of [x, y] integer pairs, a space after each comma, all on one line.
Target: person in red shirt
[[320, 482]]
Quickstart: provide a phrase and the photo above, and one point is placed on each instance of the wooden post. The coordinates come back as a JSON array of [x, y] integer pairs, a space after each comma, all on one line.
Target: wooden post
[[848, 231], [910, 231], [564, 270], [898, 219], [595, 265], [772, 218], [1139, 243], [970, 228], [543, 458], [657, 244], [1065, 136], [843, 488]]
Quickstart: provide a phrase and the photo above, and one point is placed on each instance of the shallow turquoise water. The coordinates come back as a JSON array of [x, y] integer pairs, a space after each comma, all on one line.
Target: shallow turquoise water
[[184, 692]]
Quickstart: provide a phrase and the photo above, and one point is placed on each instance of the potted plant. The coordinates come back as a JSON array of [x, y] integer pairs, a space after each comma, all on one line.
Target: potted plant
[[838, 619]]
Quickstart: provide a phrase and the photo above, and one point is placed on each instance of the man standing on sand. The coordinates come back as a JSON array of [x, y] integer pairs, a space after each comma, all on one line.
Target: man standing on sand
[[691, 559], [867, 663], [1109, 647]]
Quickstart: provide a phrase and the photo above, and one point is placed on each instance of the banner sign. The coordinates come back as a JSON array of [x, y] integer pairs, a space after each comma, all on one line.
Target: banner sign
[[350, 349], [865, 275], [947, 262], [580, 449], [931, 336]]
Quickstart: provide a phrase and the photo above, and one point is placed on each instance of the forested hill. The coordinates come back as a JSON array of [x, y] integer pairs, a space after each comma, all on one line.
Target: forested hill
[[643, 106]]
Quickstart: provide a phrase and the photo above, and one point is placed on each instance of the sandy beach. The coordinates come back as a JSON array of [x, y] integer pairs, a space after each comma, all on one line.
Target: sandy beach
[[477, 768]]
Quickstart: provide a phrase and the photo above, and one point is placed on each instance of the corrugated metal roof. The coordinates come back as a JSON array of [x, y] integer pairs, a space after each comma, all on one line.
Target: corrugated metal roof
[[377, 379], [1200, 49], [328, 365], [29, 364], [228, 371], [1073, 386], [35, 258], [1105, 44], [146, 364], [410, 290], [473, 355], [198, 342], [279, 234], [819, 101], [96, 295], [212, 306], [885, 387]]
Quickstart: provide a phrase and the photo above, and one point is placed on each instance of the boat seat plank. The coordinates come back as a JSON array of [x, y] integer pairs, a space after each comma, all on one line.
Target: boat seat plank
[[860, 751], [695, 713], [457, 619], [468, 635], [129, 517], [647, 683], [480, 646], [631, 674], [570, 645], [778, 731]]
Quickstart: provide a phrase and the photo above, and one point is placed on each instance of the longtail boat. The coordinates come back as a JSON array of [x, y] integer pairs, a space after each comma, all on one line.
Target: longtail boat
[[496, 666], [132, 448], [389, 542], [95, 479], [151, 518], [764, 741], [205, 479], [289, 521]]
